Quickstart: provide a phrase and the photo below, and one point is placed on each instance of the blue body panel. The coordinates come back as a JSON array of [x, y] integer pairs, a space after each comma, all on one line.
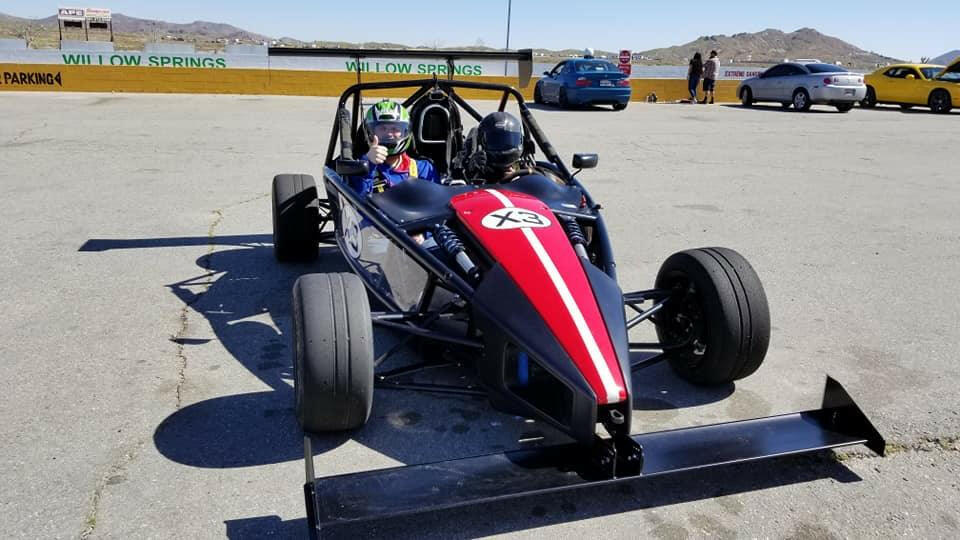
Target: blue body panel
[[587, 96]]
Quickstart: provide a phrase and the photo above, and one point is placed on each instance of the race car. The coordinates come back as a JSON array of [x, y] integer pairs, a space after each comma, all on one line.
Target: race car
[[587, 81], [519, 284], [909, 85]]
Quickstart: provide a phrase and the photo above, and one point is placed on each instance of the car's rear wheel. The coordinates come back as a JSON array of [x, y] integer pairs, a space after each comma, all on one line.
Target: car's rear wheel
[[563, 100], [537, 96], [801, 100], [296, 217], [869, 101], [844, 107], [333, 358], [716, 327], [746, 97], [939, 101], [619, 106]]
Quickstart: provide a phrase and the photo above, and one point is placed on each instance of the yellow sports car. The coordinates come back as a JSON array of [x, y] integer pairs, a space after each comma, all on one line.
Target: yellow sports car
[[915, 84]]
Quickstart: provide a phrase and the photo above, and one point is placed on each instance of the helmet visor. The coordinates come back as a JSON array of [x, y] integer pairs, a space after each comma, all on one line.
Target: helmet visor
[[503, 147], [390, 133], [502, 140]]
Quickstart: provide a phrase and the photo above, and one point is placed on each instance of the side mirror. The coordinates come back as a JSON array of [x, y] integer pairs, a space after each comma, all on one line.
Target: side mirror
[[911, 77], [547, 73], [352, 167], [584, 161]]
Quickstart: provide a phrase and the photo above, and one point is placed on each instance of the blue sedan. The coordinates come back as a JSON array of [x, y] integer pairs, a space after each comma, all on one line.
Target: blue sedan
[[584, 82]]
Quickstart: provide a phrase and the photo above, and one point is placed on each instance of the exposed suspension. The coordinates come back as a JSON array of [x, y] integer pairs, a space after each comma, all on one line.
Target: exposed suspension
[[448, 240], [575, 233]]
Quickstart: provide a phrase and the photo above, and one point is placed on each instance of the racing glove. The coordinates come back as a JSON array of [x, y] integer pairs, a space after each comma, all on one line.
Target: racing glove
[[477, 165]]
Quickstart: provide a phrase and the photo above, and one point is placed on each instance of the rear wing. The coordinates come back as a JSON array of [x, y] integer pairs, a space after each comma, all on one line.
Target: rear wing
[[524, 57]]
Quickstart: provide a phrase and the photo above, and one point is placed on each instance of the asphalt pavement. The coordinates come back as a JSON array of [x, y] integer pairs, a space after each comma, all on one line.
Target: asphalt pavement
[[145, 329]]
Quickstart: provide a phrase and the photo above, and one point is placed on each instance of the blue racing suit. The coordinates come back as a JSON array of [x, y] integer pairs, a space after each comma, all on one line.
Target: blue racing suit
[[384, 176]]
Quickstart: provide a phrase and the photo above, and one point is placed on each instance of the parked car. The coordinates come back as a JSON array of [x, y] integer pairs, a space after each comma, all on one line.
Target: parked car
[[584, 82], [907, 85], [803, 85]]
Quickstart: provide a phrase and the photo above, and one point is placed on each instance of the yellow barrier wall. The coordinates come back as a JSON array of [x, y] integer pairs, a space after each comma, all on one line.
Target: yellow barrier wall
[[62, 78]]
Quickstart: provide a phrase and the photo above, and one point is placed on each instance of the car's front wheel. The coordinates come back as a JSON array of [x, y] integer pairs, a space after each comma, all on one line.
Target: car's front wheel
[[844, 107], [939, 101], [746, 97], [801, 100], [716, 326], [869, 101], [333, 352], [537, 95]]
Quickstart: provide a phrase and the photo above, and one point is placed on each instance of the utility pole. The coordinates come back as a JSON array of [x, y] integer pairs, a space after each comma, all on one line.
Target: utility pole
[[509, 4]]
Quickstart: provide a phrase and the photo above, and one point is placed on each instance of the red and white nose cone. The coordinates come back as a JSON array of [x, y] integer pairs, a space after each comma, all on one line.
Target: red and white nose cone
[[521, 234]]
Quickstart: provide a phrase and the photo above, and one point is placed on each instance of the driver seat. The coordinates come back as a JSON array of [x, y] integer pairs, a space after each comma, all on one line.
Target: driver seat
[[435, 122]]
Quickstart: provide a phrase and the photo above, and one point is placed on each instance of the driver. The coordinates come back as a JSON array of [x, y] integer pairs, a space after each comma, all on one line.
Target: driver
[[498, 148], [387, 128]]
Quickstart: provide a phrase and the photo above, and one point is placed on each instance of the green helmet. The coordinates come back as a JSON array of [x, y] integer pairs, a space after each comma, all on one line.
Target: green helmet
[[390, 122]]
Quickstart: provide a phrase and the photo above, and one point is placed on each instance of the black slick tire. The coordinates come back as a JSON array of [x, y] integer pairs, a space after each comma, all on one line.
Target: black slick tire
[[746, 97], [619, 106], [870, 100], [801, 100], [537, 95], [844, 107], [296, 217], [940, 101], [333, 352], [718, 316]]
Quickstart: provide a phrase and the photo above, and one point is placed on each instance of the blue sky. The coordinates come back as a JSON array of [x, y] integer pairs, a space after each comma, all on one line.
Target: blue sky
[[921, 29]]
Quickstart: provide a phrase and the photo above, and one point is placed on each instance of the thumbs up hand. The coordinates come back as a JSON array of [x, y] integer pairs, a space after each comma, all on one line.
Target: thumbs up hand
[[377, 154]]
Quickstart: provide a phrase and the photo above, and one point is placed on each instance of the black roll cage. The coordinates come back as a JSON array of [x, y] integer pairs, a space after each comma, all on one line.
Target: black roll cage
[[417, 323], [448, 87]]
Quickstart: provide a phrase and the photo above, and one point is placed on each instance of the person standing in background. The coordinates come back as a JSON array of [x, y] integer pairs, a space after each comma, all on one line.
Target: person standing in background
[[693, 76], [710, 69]]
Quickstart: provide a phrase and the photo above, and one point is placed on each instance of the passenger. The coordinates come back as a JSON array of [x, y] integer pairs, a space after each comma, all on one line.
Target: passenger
[[499, 148], [387, 128], [694, 72], [710, 69]]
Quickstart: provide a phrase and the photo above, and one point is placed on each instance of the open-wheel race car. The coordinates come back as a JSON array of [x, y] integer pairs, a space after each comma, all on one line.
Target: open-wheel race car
[[519, 278]]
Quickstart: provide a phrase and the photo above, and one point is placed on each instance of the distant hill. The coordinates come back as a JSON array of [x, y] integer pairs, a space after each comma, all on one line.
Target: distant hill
[[766, 47], [945, 58], [769, 46], [212, 30]]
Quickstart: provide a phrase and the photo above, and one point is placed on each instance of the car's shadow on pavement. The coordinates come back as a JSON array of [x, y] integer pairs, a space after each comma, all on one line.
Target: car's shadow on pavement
[[815, 109], [919, 109], [526, 513], [571, 108], [658, 388], [244, 296]]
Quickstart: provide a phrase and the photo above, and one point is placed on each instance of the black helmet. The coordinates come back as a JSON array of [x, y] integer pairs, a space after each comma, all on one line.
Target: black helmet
[[500, 137]]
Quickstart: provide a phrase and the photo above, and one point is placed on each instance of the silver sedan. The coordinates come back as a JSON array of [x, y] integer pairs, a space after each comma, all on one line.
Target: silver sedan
[[804, 84]]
